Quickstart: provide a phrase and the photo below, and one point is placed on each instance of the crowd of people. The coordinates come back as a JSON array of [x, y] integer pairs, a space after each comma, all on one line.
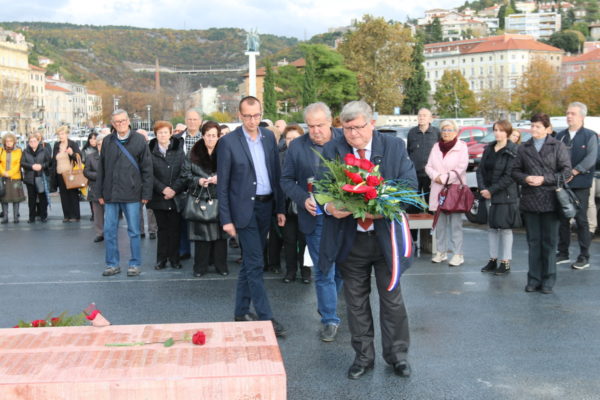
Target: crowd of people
[[253, 186]]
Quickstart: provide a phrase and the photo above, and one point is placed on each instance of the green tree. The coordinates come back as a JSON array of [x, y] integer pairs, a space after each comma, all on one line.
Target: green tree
[[582, 27], [567, 40], [453, 98], [416, 87], [501, 16], [569, 19], [288, 81], [434, 31], [592, 11], [269, 96], [380, 54], [335, 84], [309, 92]]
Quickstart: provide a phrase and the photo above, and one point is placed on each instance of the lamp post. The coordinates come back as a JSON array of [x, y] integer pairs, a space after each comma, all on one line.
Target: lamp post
[[116, 102], [149, 108]]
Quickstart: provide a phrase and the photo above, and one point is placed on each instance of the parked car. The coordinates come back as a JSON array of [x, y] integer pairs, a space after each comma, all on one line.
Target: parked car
[[398, 131], [476, 149]]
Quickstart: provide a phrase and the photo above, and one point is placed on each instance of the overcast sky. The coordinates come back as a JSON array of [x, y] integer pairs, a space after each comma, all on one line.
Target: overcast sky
[[297, 18]]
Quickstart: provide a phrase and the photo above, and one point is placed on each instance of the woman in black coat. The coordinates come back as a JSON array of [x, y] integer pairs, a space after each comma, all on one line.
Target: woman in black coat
[[65, 149], [35, 163], [92, 163], [499, 190], [200, 171], [167, 163], [539, 161]]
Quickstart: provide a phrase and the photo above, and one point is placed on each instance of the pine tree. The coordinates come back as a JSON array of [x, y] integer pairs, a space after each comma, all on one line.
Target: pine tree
[[269, 95], [436, 34], [309, 90], [416, 87]]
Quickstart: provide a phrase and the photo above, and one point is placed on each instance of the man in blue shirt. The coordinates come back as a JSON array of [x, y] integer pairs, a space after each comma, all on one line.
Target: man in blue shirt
[[248, 189]]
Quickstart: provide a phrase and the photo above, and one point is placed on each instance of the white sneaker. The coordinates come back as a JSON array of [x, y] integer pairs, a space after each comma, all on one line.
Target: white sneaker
[[439, 257], [456, 260]]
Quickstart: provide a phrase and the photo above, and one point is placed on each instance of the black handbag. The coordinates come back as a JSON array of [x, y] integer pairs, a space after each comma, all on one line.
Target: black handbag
[[39, 184], [478, 213], [568, 203], [201, 208]]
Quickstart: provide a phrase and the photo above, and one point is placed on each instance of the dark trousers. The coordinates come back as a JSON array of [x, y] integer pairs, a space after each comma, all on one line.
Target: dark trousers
[[356, 269], [294, 244], [69, 200], [581, 222], [424, 187], [250, 285], [542, 236], [167, 246], [33, 197], [202, 255]]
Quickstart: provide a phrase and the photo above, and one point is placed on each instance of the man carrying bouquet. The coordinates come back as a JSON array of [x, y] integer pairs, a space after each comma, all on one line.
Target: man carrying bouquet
[[357, 246]]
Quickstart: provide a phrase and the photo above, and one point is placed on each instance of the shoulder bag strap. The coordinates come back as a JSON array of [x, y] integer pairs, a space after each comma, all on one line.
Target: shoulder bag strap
[[127, 154]]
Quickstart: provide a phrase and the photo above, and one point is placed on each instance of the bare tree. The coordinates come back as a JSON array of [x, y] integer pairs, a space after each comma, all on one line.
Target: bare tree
[[16, 104]]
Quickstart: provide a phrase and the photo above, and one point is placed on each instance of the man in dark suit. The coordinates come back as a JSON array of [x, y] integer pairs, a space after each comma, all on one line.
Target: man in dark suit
[[358, 246], [249, 193], [301, 164]]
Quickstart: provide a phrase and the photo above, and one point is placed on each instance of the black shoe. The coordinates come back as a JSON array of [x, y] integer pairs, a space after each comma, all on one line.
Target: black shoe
[[276, 270], [504, 268], [246, 317], [30, 221], [328, 333], [581, 263], [223, 273], [44, 219], [288, 279], [278, 328], [16, 221], [402, 368], [546, 290], [98, 239], [161, 265], [176, 265], [356, 371], [562, 258], [185, 256], [152, 235], [306, 280], [531, 288], [143, 235], [4, 221], [491, 266]]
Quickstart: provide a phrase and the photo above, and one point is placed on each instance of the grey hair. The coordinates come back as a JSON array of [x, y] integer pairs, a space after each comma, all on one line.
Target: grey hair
[[582, 107], [425, 109], [319, 106], [450, 122], [193, 110], [100, 138], [119, 111], [356, 109]]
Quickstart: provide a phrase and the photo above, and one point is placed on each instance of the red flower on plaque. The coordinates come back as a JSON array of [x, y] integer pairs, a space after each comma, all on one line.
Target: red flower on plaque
[[55, 321], [374, 180], [93, 315], [199, 338], [354, 177]]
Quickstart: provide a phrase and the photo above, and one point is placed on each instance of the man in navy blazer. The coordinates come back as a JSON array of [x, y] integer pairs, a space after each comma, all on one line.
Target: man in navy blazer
[[301, 164], [358, 248], [249, 193]]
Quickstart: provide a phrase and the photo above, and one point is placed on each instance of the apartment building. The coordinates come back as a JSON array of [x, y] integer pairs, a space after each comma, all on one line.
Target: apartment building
[[488, 63], [540, 25]]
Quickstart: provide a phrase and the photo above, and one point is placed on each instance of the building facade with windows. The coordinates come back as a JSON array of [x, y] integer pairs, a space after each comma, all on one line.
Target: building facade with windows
[[496, 62], [540, 25]]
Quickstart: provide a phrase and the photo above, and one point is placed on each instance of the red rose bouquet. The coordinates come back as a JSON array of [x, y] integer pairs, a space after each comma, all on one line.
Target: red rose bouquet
[[356, 185]]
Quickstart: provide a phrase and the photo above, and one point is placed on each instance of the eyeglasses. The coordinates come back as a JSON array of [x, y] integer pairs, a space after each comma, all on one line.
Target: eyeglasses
[[120, 121], [354, 128], [211, 136], [248, 117], [448, 130]]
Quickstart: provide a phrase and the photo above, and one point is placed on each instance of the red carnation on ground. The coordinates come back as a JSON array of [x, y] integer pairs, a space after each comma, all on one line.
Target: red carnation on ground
[[354, 177], [199, 338], [374, 180], [55, 321]]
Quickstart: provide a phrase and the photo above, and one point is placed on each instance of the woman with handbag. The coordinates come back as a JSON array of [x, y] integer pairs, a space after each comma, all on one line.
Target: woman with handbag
[[294, 242], [538, 163], [447, 164], [64, 157], [10, 173], [167, 164], [499, 190], [35, 163], [200, 172]]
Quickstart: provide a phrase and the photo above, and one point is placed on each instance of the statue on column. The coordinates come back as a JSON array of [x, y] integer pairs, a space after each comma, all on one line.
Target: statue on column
[[252, 41]]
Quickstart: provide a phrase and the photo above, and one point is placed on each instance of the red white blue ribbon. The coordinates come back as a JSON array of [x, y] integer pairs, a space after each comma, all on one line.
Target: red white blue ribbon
[[406, 251]]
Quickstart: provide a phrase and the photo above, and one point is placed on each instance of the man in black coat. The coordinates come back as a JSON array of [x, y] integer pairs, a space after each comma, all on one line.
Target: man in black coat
[[358, 248], [583, 148], [124, 179], [419, 142]]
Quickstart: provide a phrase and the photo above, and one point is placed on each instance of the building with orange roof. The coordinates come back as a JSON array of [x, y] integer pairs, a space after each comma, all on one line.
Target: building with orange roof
[[495, 62], [574, 65]]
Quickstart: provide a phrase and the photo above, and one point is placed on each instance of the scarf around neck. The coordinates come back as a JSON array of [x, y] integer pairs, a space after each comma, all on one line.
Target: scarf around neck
[[446, 146]]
